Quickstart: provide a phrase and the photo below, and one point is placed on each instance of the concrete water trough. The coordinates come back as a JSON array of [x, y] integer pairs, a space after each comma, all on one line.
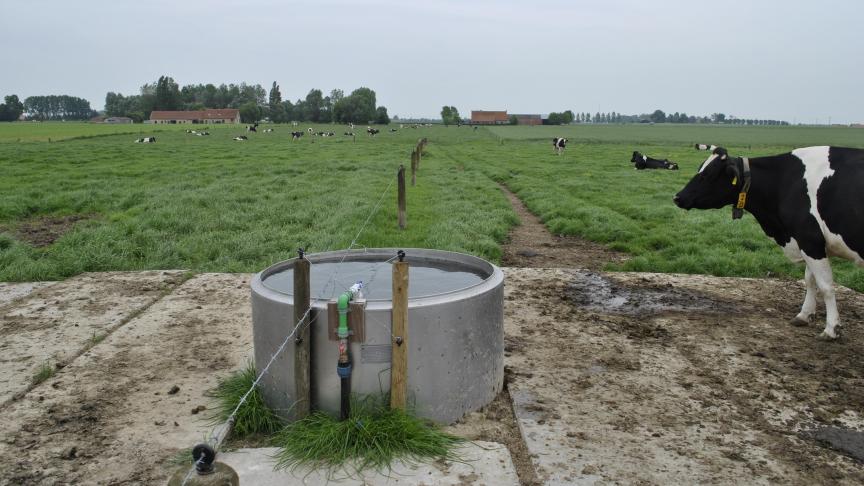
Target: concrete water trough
[[455, 329]]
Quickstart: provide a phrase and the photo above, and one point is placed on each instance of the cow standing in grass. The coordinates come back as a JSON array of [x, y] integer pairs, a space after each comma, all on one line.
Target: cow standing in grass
[[810, 201], [558, 145]]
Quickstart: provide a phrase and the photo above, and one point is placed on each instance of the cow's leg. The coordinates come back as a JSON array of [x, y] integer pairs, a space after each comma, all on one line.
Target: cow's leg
[[824, 279], [809, 306]]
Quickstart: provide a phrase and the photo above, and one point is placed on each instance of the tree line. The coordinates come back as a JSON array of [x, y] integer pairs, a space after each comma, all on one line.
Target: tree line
[[659, 116], [252, 100], [51, 107], [58, 107]]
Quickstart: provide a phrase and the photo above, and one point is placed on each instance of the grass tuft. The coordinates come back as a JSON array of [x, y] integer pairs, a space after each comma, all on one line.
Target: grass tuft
[[45, 371], [371, 438], [254, 417]]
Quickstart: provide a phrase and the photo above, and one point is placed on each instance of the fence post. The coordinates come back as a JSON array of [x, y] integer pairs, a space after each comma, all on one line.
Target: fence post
[[302, 368], [399, 364], [413, 168], [400, 177]]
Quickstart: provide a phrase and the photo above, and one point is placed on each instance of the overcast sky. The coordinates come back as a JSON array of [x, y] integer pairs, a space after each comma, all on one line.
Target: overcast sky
[[793, 60]]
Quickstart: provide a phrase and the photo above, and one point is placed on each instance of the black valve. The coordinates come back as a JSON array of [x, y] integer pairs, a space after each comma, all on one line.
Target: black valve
[[401, 255], [301, 253], [204, 455]]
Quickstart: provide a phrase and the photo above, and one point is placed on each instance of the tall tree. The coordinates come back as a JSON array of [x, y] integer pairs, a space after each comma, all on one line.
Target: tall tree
[[167, 94], [450, 115], [11, 109], [381, 117], [274, 105], [314, 105]]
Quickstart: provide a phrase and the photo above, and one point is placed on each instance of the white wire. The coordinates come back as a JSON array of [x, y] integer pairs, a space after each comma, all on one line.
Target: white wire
[[218, 440]]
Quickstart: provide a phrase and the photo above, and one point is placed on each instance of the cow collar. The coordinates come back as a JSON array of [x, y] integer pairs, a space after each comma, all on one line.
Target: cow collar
[[744, 170]]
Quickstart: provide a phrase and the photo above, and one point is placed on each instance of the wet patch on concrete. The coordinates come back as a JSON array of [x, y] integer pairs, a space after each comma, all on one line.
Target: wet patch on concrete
[[847, 441], [594, 291]]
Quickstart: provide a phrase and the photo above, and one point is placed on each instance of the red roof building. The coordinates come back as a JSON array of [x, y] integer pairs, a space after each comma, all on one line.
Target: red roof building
[[480, 117]]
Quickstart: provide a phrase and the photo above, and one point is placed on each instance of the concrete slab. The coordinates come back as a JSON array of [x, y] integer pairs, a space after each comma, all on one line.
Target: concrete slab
[[486, 463], [113, 415], [55, 325], [11, 291]]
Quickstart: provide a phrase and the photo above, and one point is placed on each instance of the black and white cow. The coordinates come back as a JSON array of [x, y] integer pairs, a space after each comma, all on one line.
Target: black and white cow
[[372, 131], [202, 134], [809, 201], [241, 138], [394, 130], [645, 162], [252, 128], [268, 130], [310, 131], [296, 135], [349, 134], [558, 145], [146, 140]]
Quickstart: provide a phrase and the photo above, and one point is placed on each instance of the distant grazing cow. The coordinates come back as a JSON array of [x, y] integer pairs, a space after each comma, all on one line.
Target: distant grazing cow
[[268, 130], [644, 162], [558, 145], [393, 130], [351, 125], [372, 131], [294, 124], [296, 135], [241, 138], [252, 128], [349, 134], [146, 140], [809, 201], [311, 132]]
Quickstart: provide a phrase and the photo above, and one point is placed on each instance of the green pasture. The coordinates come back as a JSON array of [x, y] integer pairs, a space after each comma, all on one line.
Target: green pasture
[[57, 131], [212, 204]]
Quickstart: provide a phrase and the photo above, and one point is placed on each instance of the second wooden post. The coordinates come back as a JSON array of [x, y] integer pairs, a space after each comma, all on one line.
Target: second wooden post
[[302, 368], [399, 364]]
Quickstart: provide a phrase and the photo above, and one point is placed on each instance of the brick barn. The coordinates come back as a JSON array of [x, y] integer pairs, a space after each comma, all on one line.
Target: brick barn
[[480, 117], [529, 119]]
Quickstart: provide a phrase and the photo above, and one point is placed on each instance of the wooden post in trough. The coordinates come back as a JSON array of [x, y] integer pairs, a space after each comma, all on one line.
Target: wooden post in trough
[[400, 199], [414, 168], [302, 368], [399, 364]]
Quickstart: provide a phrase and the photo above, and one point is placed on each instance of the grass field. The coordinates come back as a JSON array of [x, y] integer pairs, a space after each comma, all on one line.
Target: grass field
[[57, 131], [212, 204]]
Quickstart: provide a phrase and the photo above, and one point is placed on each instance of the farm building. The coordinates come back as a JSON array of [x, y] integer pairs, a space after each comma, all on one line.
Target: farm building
[[117, 119], [529, 119], [226, 115], [480, 117]]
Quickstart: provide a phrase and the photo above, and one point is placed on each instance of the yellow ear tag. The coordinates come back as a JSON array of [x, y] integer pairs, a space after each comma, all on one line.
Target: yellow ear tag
[[742, 199], [735, 181]]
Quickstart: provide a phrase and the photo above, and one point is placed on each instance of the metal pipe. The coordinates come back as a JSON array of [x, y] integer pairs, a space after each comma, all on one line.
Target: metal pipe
[[343, 367]]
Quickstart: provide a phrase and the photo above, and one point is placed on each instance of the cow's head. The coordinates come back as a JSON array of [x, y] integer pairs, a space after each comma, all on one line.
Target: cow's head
[[671, 165], [715, 185], [636, 157]]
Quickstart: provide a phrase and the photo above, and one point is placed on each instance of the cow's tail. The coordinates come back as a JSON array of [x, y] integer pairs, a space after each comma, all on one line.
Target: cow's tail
[[702, 146]]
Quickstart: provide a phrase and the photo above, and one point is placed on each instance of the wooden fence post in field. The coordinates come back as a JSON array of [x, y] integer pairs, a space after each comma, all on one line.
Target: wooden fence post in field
[[413, 168], [302, 367], [400, 200], [399, 364]]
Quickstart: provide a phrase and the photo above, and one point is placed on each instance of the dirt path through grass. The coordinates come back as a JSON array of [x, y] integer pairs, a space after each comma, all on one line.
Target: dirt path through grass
[[530, 244]]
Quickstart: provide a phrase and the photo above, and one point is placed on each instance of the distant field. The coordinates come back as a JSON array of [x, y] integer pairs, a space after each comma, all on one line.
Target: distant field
[[673, 134], [212, 204], [56, 131]]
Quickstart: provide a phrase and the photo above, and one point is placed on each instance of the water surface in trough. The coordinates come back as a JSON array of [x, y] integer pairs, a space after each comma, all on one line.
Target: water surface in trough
[[424, 279]]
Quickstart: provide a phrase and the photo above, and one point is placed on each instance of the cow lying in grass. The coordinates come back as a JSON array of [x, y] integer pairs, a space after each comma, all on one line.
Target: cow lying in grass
[[146, 140], [809, 201], [241, 138], [644, 162]]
